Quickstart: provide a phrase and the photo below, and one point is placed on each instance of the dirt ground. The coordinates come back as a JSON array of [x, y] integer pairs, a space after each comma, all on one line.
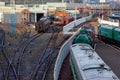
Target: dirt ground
[[32, 53]]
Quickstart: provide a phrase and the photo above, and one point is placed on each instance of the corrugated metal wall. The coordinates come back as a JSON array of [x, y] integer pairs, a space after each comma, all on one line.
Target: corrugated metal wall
[[18, 17], [6, 18]]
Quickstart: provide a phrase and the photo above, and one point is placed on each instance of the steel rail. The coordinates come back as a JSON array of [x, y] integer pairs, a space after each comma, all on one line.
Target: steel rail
[[23, 51]]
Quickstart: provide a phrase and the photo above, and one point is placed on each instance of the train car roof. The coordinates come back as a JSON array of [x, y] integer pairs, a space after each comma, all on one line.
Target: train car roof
[[44, 18], [107, 26], [117, 29], [90, 65], [115, 16]]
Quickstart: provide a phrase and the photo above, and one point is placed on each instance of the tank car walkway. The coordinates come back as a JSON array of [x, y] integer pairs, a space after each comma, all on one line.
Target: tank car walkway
[[110, 56]]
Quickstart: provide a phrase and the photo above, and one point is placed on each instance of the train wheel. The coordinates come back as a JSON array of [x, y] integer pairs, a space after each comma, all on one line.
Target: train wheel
[[118, 43], [38, 31]]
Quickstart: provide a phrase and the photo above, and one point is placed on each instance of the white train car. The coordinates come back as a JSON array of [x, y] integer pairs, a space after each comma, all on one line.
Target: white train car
[[87, 65]]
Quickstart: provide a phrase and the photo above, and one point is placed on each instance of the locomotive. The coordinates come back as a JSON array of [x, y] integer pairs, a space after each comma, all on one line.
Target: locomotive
[[86, 35], [87, 65], [109, 33], [43, 24]]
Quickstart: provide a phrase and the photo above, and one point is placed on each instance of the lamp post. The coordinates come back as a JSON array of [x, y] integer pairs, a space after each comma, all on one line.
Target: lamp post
[[35, 15]]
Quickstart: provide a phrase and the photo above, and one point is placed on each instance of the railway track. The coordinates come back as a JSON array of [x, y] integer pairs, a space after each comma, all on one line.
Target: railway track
[[46, 61], [43, 60], [22, 51], [11, 61], [47, 75], [45, 56], [4, 51], [2, 38], [2, 41], [12, 65], [110, 54], [114, 47]]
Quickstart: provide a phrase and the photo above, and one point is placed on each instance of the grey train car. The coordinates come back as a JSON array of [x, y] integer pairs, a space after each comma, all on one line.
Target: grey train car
[[87, 65]]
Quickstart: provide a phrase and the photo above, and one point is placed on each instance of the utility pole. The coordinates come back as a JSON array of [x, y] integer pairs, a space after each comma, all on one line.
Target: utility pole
[[24, 3], [12, 3], [42, 2]]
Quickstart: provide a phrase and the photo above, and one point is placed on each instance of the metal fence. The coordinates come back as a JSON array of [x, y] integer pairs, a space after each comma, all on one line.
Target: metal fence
[[73, 24], [66, 47]]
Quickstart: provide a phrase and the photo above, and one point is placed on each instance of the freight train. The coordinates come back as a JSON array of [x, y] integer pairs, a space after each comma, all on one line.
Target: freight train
[[87, 65], [43, 24], [109, 33], [86, 35]]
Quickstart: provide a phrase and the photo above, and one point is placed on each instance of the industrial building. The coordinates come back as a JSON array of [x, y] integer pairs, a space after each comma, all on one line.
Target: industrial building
[[38, 10]]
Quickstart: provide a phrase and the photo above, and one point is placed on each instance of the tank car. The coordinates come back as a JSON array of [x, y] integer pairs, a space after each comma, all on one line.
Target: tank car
[[86, 35], [87, 65], [42, 25], [83, 37]]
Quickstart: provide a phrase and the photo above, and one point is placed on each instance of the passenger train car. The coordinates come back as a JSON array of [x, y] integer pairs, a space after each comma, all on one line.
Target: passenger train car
[[87, 65]]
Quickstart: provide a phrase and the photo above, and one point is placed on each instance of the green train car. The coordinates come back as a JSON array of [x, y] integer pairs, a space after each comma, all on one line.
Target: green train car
[[109, 33], [86, 35], [106, 31], [117, 34], [83, 37]]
